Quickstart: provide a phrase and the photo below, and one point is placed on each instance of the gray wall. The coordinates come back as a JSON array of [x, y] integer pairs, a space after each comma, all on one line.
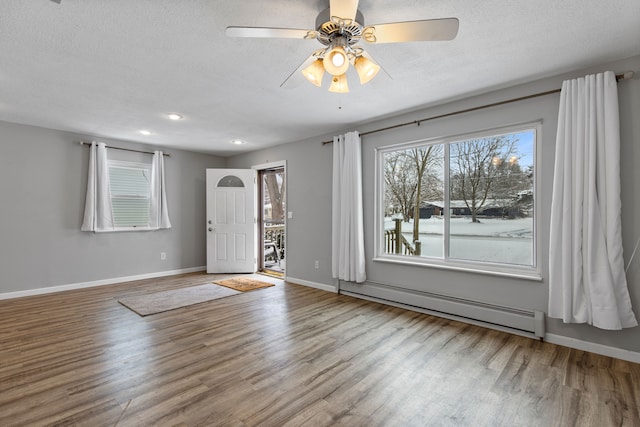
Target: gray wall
[[309, 195], [43, 176], [308, 178]]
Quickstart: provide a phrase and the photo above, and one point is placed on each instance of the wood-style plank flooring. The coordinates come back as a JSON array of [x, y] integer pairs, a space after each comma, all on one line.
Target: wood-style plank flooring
[[288, 355]]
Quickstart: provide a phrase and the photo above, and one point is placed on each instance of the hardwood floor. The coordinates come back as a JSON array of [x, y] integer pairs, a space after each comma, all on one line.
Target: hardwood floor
[[288, 356]]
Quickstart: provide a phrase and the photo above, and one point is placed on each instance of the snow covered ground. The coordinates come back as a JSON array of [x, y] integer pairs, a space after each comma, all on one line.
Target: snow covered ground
[[499, 240]]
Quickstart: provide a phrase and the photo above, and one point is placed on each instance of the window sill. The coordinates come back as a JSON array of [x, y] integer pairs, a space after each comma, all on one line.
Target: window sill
[[525, 274], [125, 229]]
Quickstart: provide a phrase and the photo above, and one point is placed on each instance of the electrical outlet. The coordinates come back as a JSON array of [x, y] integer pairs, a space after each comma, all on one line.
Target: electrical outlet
[[163, 256], [317, 264]]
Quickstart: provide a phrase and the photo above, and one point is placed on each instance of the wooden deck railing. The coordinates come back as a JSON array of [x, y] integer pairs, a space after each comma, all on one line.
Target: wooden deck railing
[[396, 243], [274, 232]]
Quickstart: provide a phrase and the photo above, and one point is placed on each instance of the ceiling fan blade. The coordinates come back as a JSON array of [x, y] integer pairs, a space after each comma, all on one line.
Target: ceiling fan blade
[[266, 32], [345, 9], [412, 31]]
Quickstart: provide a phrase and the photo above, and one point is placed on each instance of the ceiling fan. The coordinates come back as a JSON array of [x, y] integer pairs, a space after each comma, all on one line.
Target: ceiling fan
[[339, 28]]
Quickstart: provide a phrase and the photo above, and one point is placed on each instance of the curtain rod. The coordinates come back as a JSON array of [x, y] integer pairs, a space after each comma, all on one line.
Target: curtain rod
[[627, 75], [125, 149]]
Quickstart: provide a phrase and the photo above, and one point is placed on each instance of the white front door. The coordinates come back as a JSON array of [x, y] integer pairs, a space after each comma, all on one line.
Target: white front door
[[230, 221]]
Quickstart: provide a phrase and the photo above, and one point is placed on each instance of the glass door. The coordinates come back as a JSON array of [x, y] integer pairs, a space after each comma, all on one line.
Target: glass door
[[271, 220]]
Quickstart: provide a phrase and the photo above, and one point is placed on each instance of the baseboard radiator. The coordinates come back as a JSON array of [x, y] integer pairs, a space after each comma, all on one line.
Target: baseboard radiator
[[517, 321]]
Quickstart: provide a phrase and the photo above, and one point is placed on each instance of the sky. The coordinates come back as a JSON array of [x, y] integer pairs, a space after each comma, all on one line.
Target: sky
[[525, 148]]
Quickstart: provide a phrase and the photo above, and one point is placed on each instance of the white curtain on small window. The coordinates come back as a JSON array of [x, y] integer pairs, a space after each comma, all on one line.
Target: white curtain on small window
[[158, 210], [348, 259], [587, 282], [98, 215]]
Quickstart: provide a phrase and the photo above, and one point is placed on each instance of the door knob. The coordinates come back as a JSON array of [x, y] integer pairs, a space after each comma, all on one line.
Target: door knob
[[210, 229]]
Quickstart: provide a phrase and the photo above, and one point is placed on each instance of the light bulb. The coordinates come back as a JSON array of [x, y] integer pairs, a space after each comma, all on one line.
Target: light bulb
[[338, 59], [335, 61]]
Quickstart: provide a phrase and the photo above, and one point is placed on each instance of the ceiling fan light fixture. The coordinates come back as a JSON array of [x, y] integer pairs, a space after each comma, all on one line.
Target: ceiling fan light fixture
[[314, 72], [339, 84], [335, 61], [339, 28], [366, 69]]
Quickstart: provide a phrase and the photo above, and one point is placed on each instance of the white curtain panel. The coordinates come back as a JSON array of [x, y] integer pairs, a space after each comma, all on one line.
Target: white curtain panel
[[158, 211], [587, 282], [348, 259], [98, 215]]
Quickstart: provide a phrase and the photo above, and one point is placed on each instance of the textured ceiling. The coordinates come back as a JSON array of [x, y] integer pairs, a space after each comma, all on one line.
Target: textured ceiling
[[111, 68]]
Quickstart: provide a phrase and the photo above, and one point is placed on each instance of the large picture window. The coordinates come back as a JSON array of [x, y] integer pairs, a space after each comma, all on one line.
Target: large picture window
[[460, 202]]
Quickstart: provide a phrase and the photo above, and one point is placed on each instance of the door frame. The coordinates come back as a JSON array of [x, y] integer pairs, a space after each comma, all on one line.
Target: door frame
[[258, 207]]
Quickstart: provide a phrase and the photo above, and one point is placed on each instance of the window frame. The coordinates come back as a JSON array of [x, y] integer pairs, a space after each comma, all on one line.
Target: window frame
[[482, 267], [129, 165]]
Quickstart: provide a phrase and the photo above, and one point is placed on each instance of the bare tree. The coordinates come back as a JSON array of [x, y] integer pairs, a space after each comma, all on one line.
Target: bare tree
[[475, 165], [276, 193], [412, 176], [511, 185], [400, 183], [425, 161]]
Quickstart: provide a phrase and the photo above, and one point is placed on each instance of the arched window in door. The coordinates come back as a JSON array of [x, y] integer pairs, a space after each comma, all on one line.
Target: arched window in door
[[230, 181]]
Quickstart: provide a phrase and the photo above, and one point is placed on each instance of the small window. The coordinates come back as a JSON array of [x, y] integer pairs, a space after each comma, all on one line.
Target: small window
[[230, 181], [460, 202], [130, 193]]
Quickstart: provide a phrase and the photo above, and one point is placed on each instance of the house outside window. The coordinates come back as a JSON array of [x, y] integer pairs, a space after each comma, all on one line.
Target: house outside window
[[464, 202]]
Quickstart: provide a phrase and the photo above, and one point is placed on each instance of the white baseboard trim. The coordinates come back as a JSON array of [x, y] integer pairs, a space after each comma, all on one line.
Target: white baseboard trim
[[321, 286], [112, 281], [604, 350]]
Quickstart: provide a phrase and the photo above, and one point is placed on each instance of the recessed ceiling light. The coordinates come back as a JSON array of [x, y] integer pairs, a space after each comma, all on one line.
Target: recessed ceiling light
[[145, 132], [237, 141], [175, 116]]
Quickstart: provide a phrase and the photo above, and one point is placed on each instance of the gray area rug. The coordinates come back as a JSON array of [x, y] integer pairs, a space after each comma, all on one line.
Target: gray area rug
[[158, 302]]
